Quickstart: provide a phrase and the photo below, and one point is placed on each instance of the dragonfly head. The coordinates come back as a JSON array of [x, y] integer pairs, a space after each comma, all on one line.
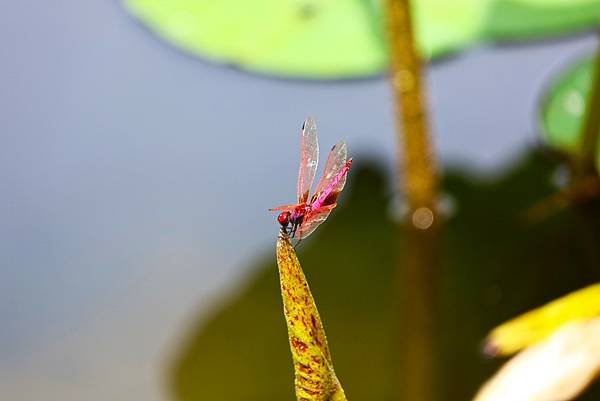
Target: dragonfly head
[[284, 218]]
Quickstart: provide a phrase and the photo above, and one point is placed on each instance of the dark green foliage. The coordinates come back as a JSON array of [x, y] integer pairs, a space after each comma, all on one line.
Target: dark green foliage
[[494, 266], [526, 19]]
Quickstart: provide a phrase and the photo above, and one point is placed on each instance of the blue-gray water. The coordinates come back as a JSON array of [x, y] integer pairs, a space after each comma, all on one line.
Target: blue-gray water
[[128, 171]]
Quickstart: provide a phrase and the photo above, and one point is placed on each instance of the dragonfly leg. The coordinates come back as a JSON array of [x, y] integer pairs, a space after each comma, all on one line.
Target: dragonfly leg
[[293, 229]]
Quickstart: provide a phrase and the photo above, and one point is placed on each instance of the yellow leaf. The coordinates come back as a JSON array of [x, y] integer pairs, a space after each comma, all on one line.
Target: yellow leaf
[[315, 379], [536, 325], [557, 369]]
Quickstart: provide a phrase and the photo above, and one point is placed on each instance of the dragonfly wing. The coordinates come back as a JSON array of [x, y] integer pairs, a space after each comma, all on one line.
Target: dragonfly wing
[[313, 220], [284, 207], [309, 158], [334, 165]]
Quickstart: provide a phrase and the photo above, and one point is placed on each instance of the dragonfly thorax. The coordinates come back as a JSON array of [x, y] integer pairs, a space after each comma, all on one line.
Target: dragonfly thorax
[[299, 212]]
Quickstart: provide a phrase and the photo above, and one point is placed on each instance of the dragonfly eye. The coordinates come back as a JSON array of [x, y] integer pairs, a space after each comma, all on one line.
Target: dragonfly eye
[[284, 218]]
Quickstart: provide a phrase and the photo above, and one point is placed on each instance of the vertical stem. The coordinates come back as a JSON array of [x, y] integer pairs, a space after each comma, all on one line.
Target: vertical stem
[[585, 172], [419, 169], [417, 295], [588, 146], [418, 177]]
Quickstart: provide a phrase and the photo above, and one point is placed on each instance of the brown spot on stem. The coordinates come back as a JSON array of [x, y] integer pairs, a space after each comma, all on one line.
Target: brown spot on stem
[[307, 383], [299, 345], [313, 321], [305, 369], [311, 392]]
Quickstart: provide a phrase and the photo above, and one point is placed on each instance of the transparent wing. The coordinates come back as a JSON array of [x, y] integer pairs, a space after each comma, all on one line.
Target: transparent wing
[[335, 162], [284, 207], [313, 220], [309, 158]]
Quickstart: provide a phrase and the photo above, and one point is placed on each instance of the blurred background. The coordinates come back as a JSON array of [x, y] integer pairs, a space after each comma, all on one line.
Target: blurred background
[[135, 180]]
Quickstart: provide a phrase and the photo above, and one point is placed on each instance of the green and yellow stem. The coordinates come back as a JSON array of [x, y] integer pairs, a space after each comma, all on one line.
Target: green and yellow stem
[[315, 379], [586, 167], [418, 178], [418, 168], [588, 145]]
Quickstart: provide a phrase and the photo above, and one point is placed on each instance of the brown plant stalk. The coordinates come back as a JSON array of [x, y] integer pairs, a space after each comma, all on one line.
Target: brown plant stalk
[[588, 145], [418, 177]]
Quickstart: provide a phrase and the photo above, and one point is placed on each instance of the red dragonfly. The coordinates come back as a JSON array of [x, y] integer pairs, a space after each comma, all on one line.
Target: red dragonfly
[[301, 219]]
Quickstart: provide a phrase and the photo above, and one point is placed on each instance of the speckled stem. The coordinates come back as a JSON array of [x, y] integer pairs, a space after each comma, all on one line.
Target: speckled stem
[[418, 177], [418, 169], [315, 379]]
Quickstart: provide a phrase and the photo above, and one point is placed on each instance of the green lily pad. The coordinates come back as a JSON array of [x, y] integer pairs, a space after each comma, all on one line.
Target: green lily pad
[[526, 19], [564, 104], [345, 38], [305, 38], [493, 267], [446, 26]]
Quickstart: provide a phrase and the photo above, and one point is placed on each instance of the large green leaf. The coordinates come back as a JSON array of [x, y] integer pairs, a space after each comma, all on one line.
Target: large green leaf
[[345, 38], [444, 26], [494, 267], [564, 105], [308, 38], [305, 38], [524, 19]]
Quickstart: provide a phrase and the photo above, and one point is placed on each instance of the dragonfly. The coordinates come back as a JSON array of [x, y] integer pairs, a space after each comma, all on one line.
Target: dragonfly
[[301, 219]]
